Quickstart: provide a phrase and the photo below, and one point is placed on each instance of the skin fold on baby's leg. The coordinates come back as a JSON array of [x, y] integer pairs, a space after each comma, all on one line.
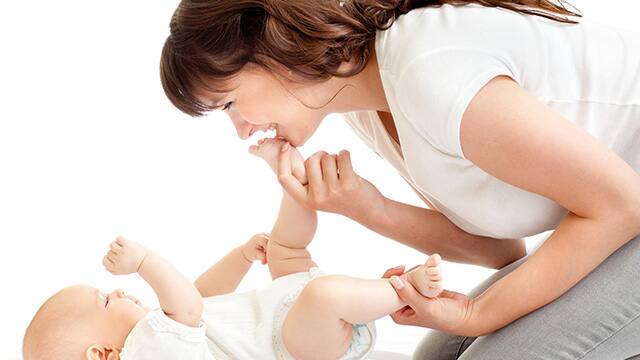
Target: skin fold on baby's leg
[[318, 326]]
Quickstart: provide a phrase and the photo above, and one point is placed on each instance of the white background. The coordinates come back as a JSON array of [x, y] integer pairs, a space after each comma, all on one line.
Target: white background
[[90, 148]]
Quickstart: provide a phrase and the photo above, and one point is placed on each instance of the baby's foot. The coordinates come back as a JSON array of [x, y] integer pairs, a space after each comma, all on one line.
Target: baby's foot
[[427, 278], [269, 148]]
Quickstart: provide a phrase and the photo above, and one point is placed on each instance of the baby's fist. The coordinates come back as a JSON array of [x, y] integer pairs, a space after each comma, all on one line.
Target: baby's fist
[[256, 248], [124, 256]]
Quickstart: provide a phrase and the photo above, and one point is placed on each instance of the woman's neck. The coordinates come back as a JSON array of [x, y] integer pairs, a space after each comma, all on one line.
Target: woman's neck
[[363, 91]]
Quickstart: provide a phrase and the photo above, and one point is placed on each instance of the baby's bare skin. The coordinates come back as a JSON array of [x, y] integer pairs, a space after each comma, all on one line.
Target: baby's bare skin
[[426, 278], [268, 150]]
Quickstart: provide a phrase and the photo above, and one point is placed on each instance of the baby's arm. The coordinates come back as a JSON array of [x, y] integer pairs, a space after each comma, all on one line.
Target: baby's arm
[[225, 275], [178, 297]]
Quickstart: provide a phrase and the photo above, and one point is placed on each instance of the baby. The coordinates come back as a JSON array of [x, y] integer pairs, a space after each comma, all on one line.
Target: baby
[[302, 314]]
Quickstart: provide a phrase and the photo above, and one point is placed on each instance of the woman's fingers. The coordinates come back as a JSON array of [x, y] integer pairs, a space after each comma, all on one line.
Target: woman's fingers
[[406, 291], [314, 175], [330, 170], [344, 166], [398, 270], [289, 182]]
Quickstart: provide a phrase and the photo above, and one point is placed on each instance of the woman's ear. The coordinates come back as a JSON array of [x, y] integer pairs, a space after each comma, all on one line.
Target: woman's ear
[[99, 352]]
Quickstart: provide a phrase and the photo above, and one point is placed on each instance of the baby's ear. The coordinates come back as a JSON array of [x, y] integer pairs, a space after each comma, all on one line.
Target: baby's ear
[[99, 352]]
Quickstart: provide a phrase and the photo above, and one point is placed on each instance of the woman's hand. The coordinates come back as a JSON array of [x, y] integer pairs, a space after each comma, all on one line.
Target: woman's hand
[[333, 186], [449, 312]]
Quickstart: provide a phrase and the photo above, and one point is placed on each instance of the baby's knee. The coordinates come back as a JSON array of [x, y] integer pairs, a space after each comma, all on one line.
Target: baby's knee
[[323, 291]]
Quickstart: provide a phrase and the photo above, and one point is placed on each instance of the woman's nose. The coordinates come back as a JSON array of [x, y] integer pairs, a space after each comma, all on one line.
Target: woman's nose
[[243, 128]]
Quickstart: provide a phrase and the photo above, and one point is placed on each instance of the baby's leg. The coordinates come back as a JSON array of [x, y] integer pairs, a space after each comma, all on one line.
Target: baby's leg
[[427, 278], [318, 326]]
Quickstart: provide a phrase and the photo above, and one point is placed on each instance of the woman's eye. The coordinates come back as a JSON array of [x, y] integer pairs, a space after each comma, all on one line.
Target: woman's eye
[[227, 106]]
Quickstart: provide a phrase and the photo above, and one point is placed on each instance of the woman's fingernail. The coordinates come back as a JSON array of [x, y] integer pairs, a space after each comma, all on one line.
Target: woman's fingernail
[[396, 282], [285, 147]]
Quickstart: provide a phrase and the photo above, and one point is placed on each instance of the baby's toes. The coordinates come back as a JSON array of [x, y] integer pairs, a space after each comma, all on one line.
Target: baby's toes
[[434, 260], [434, 273]]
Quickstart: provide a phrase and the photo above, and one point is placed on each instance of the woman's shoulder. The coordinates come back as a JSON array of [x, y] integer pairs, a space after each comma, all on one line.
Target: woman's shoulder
[[472, 26]]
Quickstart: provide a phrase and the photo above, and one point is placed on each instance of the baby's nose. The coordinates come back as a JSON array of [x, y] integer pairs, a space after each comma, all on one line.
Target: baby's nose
[[118, 293]]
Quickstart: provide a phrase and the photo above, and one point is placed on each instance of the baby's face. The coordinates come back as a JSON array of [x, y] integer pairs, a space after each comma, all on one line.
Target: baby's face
[[113, 315]]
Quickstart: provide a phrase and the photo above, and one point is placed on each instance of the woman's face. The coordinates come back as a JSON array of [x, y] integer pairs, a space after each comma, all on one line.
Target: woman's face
[[260, 101]]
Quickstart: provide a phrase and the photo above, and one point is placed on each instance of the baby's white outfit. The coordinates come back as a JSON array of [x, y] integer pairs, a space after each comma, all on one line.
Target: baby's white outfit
[[239, 326]]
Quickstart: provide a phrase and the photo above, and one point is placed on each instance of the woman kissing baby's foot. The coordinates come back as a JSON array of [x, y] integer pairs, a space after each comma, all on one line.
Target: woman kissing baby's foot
[[427, 278], [269, 148]]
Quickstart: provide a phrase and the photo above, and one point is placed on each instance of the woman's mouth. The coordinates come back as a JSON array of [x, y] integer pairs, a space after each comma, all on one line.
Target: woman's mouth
[[271, 132]]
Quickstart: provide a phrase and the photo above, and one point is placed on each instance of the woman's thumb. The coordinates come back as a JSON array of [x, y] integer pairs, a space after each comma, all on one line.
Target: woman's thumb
[[405, 291]]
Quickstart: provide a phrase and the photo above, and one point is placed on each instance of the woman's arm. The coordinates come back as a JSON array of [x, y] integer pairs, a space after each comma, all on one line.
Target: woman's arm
[[565, 164], [429, 231], [422, 229], [532, 147], [225, 275]]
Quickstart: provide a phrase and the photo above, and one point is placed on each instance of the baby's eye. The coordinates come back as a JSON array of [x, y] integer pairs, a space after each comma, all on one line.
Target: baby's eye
[[107, 301], [227, 106]]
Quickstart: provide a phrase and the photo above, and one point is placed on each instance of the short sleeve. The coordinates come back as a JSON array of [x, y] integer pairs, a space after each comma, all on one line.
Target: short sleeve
[[157, 336], [434, 90]]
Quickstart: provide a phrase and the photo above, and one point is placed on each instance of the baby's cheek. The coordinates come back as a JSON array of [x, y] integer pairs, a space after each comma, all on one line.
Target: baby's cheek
[[130, 314]]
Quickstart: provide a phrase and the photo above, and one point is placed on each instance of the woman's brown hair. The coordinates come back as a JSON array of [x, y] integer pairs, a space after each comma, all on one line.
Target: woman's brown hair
[[212, 40]]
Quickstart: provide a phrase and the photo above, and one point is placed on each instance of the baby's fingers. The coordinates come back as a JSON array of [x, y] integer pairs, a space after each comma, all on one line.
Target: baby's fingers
[[115, 247], [262, 242], [108, 264], [112, 255], [120, 240]]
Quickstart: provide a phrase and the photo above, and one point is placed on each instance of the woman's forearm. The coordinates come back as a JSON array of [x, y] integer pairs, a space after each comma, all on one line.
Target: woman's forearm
[[575, 248], [429, 231]]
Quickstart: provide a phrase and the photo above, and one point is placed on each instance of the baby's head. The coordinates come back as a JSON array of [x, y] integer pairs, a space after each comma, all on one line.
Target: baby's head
[[81, 322]]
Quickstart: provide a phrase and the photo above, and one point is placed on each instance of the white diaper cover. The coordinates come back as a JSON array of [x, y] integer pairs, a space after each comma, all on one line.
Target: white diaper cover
[[363, 336]]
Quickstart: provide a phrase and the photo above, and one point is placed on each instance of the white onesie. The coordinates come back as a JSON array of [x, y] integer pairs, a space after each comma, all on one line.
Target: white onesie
[[240, 326]]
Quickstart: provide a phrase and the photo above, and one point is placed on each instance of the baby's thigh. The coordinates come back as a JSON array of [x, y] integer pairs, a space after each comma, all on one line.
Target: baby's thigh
[[313, 329]]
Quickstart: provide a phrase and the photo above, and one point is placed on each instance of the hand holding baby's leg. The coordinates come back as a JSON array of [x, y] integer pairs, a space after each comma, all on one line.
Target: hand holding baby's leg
[[427, 278], [268, 149]]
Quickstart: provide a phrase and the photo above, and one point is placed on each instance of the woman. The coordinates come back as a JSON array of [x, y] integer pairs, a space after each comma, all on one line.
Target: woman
[[506, 117]]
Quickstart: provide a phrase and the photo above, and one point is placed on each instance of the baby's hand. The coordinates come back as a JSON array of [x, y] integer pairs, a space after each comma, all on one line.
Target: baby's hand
[[269, 148], [124, 256], [256, 248]]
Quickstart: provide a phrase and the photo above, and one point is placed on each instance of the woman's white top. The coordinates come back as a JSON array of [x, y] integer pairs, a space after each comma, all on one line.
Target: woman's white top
[[434, 60]]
